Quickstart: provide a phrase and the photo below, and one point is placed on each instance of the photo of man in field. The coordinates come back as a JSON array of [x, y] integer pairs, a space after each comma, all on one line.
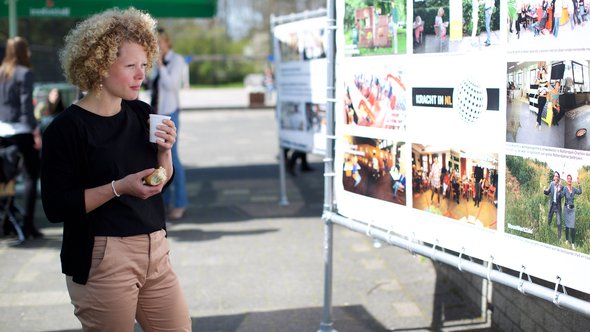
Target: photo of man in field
[[535, 208]]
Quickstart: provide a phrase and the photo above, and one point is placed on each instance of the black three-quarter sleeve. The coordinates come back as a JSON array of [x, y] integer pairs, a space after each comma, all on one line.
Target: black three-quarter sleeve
[[62, 182]]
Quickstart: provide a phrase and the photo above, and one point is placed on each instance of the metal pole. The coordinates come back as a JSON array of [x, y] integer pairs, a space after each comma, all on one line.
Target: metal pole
[[12, 18], [526, 287], [283, 201], [326, 324]]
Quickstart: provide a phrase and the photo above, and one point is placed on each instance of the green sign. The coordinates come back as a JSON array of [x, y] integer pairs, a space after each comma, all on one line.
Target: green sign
[[83, 8]]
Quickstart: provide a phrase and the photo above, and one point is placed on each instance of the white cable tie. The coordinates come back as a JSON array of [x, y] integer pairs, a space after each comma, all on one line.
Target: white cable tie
[[490, 265], [388, 235], [433, 254], [520, 281], [368, 232], [556, 294], [460, 259]]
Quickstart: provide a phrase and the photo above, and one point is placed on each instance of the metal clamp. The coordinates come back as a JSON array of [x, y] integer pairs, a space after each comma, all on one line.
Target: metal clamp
[[388, 235], [410, 241], [490, 265], [460, 259], [433, 254], [556, 293], [368, 232], [520, 281]]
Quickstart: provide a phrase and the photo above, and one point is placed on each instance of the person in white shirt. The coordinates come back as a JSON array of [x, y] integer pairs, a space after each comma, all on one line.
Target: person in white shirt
[[167, 80], [489, 9]]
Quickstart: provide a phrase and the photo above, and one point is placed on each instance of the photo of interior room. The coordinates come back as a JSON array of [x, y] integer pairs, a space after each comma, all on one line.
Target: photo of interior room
[[375, 168], [562, 90], [456, 184]]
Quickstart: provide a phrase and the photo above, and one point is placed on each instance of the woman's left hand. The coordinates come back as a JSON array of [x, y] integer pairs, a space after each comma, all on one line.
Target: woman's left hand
[[167, 132]]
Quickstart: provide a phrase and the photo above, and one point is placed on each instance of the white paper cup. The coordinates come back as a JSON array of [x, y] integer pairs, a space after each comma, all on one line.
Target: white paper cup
[[155, 121]]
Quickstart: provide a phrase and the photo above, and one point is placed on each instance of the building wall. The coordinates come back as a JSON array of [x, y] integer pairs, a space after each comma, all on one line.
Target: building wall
[[512, 311]]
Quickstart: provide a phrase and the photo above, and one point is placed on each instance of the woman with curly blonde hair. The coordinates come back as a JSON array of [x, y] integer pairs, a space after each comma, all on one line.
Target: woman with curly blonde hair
[[95, 158]]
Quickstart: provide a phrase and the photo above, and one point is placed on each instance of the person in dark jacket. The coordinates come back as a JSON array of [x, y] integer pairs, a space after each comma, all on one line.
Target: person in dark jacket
[[18, 125]]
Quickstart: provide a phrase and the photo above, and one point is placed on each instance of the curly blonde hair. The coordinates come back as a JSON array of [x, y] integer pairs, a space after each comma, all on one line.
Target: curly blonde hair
[[93, 45]]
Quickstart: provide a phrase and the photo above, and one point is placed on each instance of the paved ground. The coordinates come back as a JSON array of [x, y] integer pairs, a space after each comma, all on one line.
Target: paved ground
[[245, 262]]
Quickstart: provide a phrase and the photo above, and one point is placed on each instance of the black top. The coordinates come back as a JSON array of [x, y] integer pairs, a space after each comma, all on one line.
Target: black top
[[83, 150]]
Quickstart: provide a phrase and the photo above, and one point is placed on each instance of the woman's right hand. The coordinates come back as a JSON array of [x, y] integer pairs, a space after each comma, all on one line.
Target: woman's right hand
[[133, 185]]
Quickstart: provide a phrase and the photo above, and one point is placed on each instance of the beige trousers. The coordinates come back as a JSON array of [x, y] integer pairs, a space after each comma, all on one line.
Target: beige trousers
[[130, 278]]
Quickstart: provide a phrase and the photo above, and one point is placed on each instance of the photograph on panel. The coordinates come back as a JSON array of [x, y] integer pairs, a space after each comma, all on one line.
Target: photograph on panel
[[455, 26], [545, 25], [547, 103], [375, 98], [547, 200], [293, 116], [457, 184], [375, 168], [315, 115], [302, 41], [375, 27]]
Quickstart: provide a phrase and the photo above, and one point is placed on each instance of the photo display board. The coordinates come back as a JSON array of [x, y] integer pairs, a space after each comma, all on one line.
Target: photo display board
[[301, 76], [469, 140]]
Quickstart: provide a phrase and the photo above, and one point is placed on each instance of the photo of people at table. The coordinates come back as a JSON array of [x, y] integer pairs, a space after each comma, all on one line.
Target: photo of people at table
[[548, 25], [548, 103], [547, 200], [375, 168], [461, 185], [375, 100]]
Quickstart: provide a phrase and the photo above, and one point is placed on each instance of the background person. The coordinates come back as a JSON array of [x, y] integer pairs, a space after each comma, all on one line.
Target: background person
[[435, 179], [167, 82], [96, 153], [488, 10], [394, 17], [47, 110], [569, 210], [553, 191], [18, 125], [556, 106]]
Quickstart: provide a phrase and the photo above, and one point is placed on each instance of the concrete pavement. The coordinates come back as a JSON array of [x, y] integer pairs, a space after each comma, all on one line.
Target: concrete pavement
[[245, 262]]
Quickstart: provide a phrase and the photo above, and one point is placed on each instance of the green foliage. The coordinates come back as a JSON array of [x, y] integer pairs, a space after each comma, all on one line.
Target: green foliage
[[519, 169], [191, 38], [468, 19], [512, 14], [401, 46]]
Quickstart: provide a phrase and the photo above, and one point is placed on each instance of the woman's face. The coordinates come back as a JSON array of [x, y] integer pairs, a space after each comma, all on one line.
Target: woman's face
[[53, 96], [164, 46], [569, 179], [127, 72]]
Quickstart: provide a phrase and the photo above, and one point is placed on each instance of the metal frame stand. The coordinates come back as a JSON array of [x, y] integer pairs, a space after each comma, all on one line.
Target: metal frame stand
[[326, 324]]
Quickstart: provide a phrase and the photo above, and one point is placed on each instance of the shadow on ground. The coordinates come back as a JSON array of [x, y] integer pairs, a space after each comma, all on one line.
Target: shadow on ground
[[349, 318]]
